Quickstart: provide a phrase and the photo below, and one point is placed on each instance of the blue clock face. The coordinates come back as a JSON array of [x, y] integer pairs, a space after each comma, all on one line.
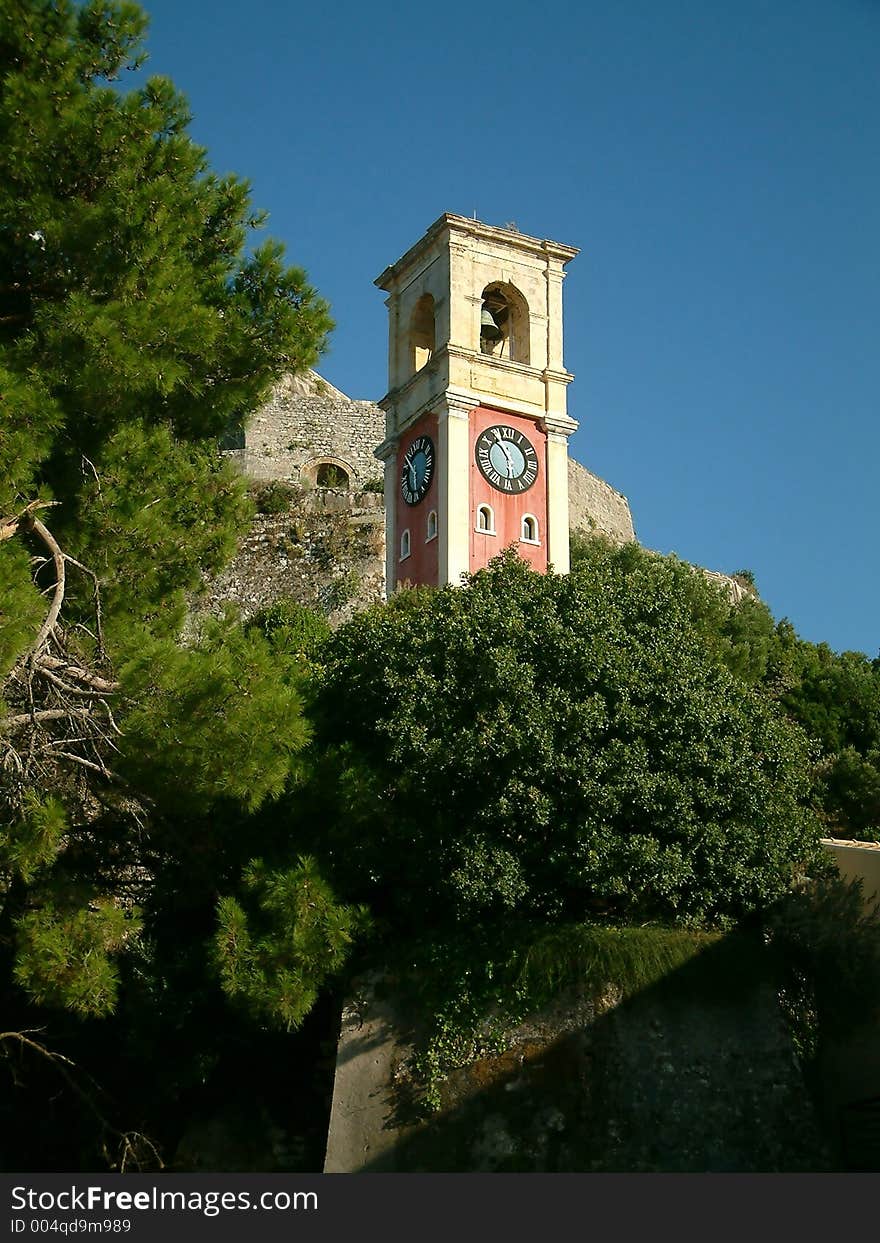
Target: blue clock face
[[506, 458], [417, 470]]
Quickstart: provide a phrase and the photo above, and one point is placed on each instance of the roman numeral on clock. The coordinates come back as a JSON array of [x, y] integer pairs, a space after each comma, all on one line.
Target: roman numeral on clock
[[506, 458]]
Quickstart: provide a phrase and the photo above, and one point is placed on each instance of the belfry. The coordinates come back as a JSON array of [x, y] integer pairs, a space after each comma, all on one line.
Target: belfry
[[476, 427]]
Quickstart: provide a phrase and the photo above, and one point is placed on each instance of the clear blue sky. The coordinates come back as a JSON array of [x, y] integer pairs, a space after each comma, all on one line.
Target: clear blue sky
[[717, 163]]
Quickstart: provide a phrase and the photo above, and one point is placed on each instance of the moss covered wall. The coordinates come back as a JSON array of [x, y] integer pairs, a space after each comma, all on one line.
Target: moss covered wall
[[683, 1076]]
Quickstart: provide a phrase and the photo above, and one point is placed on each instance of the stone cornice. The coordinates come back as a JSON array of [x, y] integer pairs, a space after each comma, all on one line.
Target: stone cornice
[[559, 425], [399, 394], [386, 449], [508, 365], [557, 377], [448, 222], [430, 369], [459, 402]]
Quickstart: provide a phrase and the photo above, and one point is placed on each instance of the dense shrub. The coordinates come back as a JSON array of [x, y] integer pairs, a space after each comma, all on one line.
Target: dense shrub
[[556, 747]]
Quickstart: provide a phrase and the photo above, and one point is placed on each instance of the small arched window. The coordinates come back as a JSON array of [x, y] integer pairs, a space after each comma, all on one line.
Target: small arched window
[[529, 532], [421, 333], [432, 526], [485, 520], [404, 545]]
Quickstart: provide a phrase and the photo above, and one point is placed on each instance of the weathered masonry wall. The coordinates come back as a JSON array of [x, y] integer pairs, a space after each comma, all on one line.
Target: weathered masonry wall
[[307, 423], [320, 547], [690, 1074], [593, 505]]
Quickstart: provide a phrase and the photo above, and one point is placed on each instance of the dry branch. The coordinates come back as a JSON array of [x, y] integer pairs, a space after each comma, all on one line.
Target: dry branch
[[130, 1143], [56, 702], [42, 714], [82, 675], [10, 525], [40, 529]]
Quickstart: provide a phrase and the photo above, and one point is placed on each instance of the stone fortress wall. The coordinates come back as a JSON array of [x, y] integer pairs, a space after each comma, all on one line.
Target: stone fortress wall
[[328, 546], [594, 506], [307, 424]]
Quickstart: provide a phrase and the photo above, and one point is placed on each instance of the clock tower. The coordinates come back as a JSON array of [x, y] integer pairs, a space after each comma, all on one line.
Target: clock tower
[[476, 428]]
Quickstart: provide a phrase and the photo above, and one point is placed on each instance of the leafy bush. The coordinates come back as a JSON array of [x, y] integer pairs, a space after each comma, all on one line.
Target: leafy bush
[[835, 697], [829, 948], [274, 498], [849, 784], [557, 747], [292, 628]]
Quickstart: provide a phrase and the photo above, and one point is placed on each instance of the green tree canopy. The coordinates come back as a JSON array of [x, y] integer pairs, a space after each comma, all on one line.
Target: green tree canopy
[[835, 697], [135, 324], [559, 747], [128, 298]]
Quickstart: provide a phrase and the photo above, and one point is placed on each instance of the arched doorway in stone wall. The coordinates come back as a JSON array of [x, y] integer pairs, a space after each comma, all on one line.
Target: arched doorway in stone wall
[[329, 472]]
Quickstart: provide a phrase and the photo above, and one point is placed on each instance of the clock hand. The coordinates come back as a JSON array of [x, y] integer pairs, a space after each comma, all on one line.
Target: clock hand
[[509, 458]]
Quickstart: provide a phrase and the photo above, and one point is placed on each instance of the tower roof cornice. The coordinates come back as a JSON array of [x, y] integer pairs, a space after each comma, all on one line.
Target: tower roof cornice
[[476, 230]]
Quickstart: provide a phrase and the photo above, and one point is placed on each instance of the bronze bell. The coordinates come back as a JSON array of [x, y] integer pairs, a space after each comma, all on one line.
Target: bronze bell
[[489, 329]]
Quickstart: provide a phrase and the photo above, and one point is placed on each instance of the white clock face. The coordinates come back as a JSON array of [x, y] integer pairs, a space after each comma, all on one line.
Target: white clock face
[[506, 458]]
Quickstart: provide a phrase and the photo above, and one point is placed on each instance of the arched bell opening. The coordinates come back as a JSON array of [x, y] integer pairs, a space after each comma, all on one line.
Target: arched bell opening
[[504, 323], [422, 333]]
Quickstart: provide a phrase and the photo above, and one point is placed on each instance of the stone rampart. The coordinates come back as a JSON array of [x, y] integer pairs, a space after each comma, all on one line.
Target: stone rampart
[[594, 506], [696, 1072], [320, 547], [308, 428], [306, 424]]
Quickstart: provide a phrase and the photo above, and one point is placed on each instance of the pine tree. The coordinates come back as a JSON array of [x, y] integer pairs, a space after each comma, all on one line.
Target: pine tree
[[135, 326]]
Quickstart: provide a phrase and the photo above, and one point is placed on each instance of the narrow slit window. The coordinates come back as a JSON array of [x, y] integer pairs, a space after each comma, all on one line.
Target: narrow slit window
[[432, 526], [529, 533], [486, 520], [404, 545]]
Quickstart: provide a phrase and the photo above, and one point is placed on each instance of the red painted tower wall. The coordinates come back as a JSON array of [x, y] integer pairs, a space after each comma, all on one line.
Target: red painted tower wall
[[508, 509], [422, 565]]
